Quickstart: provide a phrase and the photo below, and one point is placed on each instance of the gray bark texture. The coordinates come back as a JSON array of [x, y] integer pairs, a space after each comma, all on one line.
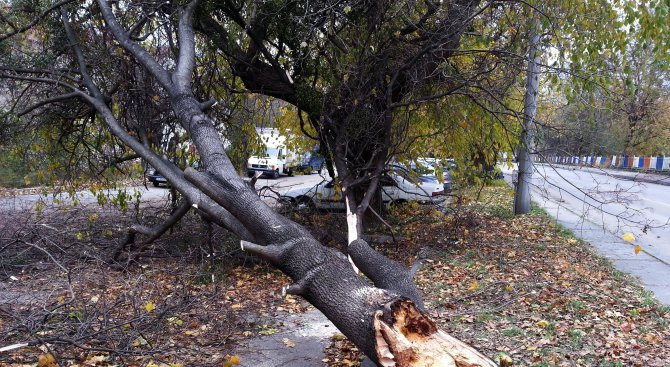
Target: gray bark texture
[[364, 311], [321, 275], [522, 202]]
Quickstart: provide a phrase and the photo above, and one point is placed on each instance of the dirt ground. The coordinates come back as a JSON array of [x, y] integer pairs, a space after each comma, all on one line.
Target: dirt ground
[[516, 288]]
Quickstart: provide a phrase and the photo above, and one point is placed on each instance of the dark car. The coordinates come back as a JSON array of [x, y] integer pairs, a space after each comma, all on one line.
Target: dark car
[[156, 178], [311, 163]]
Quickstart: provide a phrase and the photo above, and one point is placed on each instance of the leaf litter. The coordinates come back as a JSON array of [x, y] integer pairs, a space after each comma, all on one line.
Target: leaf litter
[[523, 290], [520, 289]]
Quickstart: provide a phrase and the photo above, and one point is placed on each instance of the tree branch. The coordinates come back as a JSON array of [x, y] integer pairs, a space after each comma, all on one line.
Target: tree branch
[[41, 16], [182, 76], [384, 272], [138, 52], [47, 101]]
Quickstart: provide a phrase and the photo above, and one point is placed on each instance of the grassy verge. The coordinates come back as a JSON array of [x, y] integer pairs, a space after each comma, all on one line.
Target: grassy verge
[[526, 288]]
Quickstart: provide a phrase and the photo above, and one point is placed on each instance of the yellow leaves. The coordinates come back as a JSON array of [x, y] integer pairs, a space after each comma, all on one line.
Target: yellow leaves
[[542, 323], [288, 342], [232, 361], [504, 360], [628, 237], [149, 306], [46, 360], [473, 286], [175, 321], [139, 342]]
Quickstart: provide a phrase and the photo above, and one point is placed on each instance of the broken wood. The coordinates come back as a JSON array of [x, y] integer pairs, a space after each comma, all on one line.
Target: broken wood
[[406, 337]]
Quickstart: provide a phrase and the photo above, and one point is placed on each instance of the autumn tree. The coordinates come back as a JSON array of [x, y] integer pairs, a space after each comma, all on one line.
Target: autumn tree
[[622, 112], [136, 77], [89, 42]]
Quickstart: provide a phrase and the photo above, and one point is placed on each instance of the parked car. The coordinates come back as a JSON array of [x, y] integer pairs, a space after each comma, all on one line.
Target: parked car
[[156, 178], [311, 162], [431, 168], [398, 185]]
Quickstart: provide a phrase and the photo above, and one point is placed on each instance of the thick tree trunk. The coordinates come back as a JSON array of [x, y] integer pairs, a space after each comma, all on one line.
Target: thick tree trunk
[[522, 203], [381, 318]]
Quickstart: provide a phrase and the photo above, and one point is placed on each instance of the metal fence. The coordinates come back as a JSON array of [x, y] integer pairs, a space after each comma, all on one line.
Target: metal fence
[[644, 163]]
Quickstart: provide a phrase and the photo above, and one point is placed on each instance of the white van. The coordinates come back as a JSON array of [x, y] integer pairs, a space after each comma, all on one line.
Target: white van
[[277, 160]]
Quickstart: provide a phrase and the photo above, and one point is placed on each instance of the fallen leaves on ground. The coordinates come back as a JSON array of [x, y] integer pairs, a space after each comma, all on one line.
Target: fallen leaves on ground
[[180, 320], [524, 288]]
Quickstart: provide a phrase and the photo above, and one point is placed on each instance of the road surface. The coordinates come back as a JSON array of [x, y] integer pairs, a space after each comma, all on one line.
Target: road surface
[[618, 205], [269, 190], [601, 206]]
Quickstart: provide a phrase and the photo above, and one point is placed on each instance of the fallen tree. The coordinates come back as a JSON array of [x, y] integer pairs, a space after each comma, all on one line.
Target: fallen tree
[[383, 314]]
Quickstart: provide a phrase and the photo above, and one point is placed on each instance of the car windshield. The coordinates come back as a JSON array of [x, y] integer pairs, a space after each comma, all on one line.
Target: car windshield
[[411, 177], [272, 152]]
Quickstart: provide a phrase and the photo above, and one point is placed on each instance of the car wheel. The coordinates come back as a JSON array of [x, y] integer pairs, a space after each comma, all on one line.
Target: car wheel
[[156, 184], [290, 172], [398, 203], [275, 174]]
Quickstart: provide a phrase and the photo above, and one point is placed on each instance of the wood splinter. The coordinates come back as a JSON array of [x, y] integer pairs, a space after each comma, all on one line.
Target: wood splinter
[[406, 337]]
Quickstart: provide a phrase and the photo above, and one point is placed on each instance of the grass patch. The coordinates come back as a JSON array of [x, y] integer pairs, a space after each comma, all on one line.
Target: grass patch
[[536, 292]]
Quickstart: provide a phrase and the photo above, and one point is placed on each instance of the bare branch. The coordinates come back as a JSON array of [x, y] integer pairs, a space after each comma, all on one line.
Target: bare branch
[[136, 50], [182, 76], [34, 21]]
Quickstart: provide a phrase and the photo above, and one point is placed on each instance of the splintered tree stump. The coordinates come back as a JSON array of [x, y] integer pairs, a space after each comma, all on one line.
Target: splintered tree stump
[[406, 337]]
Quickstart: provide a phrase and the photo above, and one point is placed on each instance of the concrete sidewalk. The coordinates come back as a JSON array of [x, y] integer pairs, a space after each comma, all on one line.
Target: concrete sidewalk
[[653, 272]]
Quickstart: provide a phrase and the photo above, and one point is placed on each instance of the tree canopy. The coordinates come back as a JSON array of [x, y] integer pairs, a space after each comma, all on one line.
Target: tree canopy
[[91, 85]]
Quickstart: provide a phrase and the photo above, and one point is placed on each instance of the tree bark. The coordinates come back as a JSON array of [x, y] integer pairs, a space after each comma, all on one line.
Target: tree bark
[[384, 319], [522, 202]]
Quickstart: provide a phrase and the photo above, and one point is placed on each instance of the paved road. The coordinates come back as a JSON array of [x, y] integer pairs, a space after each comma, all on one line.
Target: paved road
[[269, 188], [600, 206]]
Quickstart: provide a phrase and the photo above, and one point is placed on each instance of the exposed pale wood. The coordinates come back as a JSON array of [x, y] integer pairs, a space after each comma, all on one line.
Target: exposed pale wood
[[406, 337]]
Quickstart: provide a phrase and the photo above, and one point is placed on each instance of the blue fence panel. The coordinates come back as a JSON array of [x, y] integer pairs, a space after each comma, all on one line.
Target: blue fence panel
[[640, 162], [659, 163]]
